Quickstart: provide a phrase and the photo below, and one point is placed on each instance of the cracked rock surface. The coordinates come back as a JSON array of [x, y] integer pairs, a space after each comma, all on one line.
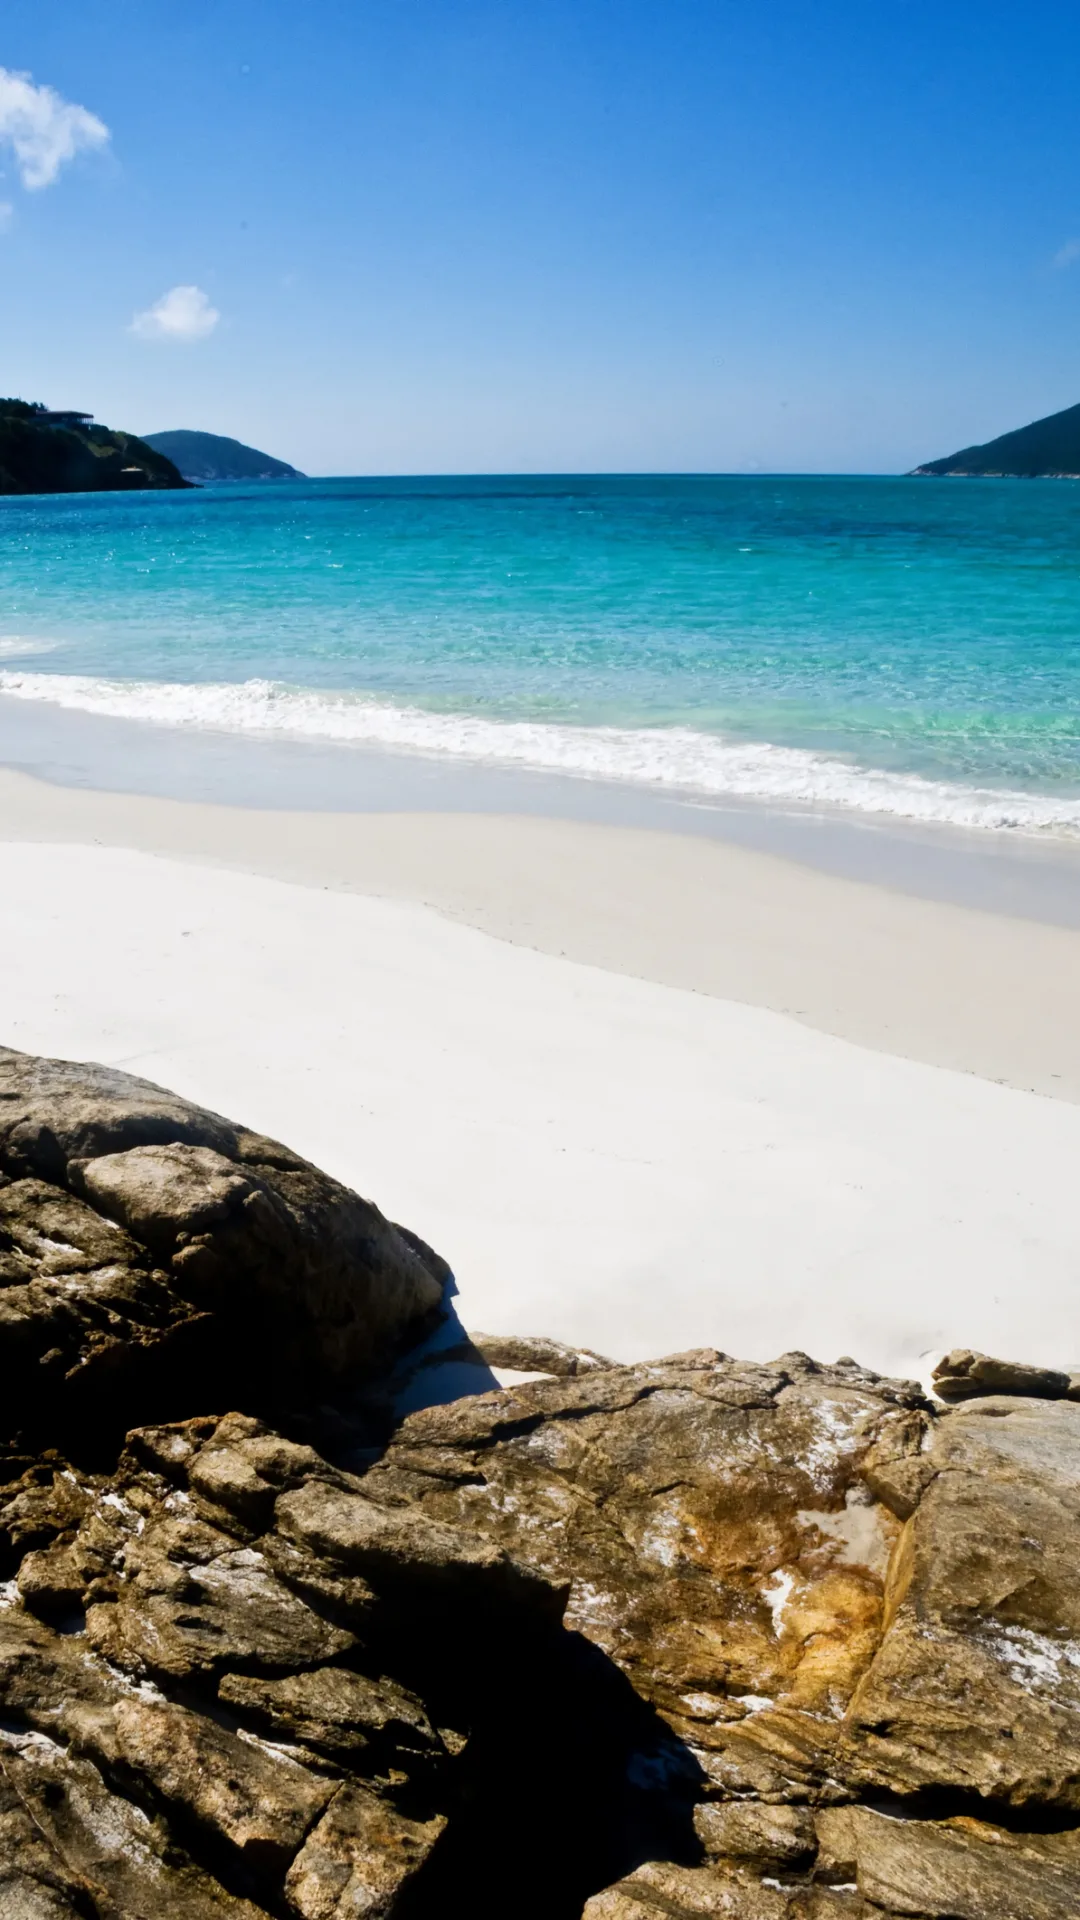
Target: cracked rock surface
[[693, 1637]]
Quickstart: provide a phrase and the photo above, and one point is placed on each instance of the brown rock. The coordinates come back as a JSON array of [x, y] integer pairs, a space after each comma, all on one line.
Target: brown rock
[[51, 1582], [71, 1845], [976, 1687], [798, 1596], [954, 1869], [83, 1311], [965, 1870], [46, 1675], [773, 1837], [192, 1602], [368, 1724], [720, 1544], [528, 1353], [34, 1884], [899, 1466], [151, 1252], [962, 1375], [42, 1504], [837, 1844], [359, 1859], [684, 1893], [260, 1801], [244, 1468], [401, 1550]]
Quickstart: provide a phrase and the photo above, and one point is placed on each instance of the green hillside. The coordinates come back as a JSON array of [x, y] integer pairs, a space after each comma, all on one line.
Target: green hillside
[[1049, 447], [213, 456], [45, 452]]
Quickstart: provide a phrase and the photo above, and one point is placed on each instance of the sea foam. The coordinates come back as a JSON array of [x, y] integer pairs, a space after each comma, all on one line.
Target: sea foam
[[672, 759]]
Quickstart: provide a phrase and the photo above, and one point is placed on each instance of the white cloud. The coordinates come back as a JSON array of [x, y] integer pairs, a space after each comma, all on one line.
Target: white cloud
[[184, 313], [1065, 255], [43, 130]]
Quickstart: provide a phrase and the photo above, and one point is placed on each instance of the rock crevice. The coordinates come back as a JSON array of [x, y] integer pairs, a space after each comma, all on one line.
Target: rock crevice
[[698, 1636]]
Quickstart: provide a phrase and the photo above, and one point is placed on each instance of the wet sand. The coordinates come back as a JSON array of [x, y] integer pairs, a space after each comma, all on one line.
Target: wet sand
[[955, 986]]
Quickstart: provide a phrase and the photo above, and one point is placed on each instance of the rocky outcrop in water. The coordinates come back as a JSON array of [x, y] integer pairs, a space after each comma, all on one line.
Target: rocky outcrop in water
[[698, 1637]]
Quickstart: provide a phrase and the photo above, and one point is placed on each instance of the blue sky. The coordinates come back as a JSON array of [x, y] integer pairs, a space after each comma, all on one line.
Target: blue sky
[[484, 235]]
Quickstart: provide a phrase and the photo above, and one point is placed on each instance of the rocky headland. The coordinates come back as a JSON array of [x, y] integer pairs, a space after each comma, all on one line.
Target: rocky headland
[[693, 1637], [1047, 449], [42, 451]]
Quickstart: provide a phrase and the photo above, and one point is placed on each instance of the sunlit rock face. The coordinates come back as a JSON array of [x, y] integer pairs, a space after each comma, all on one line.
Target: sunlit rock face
[[713, 1526], [780, 1642]]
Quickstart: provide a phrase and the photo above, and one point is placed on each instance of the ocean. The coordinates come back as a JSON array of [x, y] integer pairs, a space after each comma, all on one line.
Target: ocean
[[889, 646]]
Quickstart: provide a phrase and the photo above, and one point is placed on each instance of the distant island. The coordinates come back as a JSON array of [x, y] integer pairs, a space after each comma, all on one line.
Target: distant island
[[213, 456], [1048, 449], [42, 451]]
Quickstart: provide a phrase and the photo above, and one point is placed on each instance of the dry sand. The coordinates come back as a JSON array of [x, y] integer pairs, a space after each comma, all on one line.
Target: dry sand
[[603, 1155], [949, 985]]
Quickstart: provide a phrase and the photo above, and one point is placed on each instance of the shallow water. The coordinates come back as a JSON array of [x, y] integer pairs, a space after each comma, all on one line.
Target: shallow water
[[903, 647]]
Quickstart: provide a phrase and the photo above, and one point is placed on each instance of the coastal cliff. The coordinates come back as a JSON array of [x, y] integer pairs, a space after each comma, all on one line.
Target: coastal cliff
[[46, 452], [779, 1642]]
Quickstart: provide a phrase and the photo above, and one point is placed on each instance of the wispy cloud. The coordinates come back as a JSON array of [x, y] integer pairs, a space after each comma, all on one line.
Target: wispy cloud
[[1066, 255], [184, 313], [43, 130]]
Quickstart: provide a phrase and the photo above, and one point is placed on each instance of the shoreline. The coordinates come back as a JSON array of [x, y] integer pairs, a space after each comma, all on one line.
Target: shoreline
[[951, 986], [646, 1089], [1021, 874], [676, 758], [621, 1165]]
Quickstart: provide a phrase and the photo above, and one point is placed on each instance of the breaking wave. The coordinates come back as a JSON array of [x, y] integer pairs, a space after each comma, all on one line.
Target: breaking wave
[[671, 759]]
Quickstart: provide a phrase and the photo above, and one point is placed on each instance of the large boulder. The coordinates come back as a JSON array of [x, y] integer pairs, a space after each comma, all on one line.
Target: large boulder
[[774, 1642], [693, 1637], [714, 1525], [858, 1617], [975, 1689], [157, 1260]]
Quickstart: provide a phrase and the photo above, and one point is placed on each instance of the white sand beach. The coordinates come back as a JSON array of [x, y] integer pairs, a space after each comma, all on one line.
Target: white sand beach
[[643, 1093]]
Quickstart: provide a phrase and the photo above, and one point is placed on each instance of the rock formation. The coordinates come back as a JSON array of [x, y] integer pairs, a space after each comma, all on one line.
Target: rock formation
[[156, 1260], [963, 1375], [782, 1642]]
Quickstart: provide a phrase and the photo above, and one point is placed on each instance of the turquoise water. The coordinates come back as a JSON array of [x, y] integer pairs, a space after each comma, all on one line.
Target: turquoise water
[[904, 646]]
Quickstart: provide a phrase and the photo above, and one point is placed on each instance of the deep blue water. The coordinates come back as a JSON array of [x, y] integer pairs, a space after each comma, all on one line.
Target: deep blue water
[[900, 645]]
